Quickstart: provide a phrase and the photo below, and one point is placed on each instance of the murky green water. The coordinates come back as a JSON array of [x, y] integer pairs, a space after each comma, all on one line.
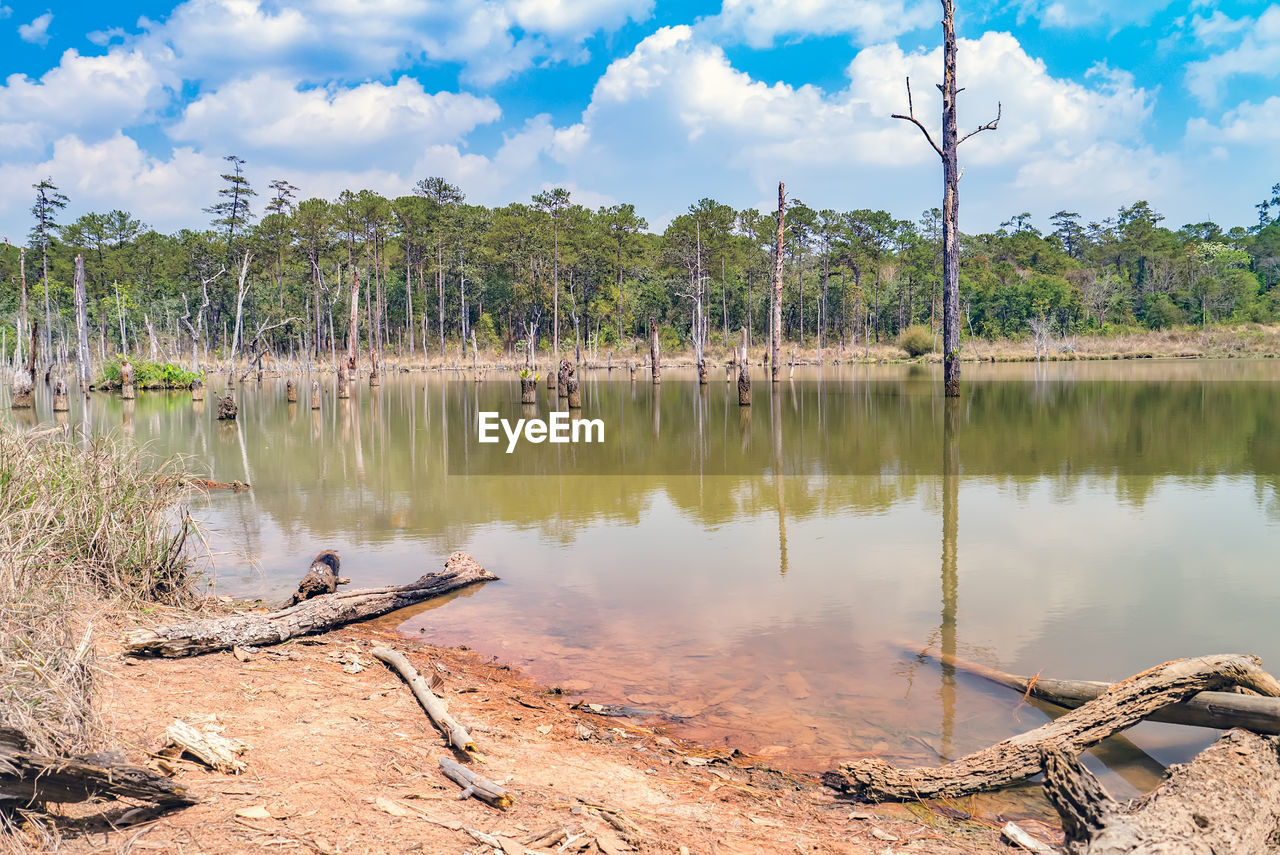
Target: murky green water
[[758, 574]]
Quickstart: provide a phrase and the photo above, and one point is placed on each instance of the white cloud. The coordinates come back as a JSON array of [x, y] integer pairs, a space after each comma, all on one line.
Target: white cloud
[[37, 32], [1258, 53], [1064, 14], [1216, 29], [761, 22], [5, 12], [1247, 124], [263, 116], [84, 94]]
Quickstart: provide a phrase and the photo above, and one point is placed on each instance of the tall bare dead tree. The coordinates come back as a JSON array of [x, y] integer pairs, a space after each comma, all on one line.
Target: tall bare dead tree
[[82, 327], [775, 324], [951, 171]]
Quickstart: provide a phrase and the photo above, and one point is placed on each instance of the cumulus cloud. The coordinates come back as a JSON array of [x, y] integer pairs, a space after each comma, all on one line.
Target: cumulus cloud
[[37, 32], [1247, 124], [761, 22], [1063, 14], [1258, 53], [268, 116]]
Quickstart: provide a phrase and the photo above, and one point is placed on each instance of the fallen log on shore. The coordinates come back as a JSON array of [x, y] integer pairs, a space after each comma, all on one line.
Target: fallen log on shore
[[435, 709], [318, 614], [1207, 709], [28, 777], [1018, 757], [1225, 800]]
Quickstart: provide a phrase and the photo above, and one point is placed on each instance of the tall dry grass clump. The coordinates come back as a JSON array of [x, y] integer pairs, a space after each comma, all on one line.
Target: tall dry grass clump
[[86, 529]]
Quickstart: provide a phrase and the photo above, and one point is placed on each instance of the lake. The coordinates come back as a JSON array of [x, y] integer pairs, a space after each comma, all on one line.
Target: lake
[[760, 578]]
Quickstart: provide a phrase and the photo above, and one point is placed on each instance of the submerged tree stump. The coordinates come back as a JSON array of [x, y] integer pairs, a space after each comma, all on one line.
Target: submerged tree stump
[[344, 382], [290, 392], [574, 393], [315, 394], [375, 377], [655, 364], [528, 390], [227, 408], [126, 379], [1225, 800], [744, 374], [562, 379], [61, 400], [197, 389], [22, 385]]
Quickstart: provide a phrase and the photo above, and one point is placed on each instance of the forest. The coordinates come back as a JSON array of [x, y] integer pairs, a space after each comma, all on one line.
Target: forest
[[275, 273]]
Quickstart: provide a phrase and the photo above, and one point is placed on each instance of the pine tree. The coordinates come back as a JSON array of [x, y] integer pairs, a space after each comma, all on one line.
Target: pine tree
[[231, 211], [48, 203]]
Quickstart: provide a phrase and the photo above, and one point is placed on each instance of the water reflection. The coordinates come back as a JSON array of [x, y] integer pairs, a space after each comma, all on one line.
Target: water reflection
[[752, 567]]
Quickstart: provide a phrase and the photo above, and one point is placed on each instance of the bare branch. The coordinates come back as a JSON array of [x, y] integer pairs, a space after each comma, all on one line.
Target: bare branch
[[911, 117], [989, 126]]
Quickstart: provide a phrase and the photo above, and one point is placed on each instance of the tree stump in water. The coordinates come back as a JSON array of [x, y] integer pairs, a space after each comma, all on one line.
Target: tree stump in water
[[632, 367], [227, 408], [126, 379], [344, 382], [321, 578], [315, 394], [574, 394], [22, 399], [744, 374], [290, 392], [702, 373], [197, 389], [562, 379], [375, 377], [528, 390], [655, 364], [61, 400]]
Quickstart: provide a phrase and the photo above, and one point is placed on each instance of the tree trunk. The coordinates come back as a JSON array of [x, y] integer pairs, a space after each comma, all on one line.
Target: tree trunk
[[655, 365], [82, 327], [775, 332], [315, 615], [353, 325], [1018, 757], [950, 208], [1225, 800], [744, 373], [241, 290]]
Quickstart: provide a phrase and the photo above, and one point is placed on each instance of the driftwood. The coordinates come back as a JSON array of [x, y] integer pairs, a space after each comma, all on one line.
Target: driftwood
[[28, 777], [1225, 800], [208, 746], [207, 484], [1014, 759], [319, 614], [432, 705], [1207, 709], [474, 785], [321, 578]]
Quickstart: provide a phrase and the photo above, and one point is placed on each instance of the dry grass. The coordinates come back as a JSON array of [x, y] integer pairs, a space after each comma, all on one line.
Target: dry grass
[[86, 528]]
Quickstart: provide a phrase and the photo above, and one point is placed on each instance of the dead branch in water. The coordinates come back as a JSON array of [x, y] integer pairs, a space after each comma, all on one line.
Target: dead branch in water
[[1014, 759]]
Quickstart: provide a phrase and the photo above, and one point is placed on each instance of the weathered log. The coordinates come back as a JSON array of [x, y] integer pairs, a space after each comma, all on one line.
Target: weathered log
[[1225, 800], [315, 394], [61, 400], [1207, 709], [528, 390], [562, 379], [209, 747], [575, 393], [321, 578], [433, 706], [206, 484], [319, 614], [474, 785], [28, 777], [1014, 759], [290, 392]]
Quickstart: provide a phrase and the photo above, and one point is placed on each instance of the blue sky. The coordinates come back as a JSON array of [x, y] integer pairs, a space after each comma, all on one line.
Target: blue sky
[[132, 105]]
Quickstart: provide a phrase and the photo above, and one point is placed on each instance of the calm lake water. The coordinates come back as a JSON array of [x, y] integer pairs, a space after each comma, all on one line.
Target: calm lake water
[[762, 577]]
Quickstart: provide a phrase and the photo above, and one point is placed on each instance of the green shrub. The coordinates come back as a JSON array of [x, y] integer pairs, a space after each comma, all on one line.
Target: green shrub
[[148, 375], [917, 341]]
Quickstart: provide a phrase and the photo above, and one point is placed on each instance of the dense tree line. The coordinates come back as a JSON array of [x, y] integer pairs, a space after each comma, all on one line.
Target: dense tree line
[[433, 271]]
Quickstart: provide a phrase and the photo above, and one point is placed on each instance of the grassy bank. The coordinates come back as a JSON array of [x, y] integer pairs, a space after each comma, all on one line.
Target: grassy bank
[[86, 530]]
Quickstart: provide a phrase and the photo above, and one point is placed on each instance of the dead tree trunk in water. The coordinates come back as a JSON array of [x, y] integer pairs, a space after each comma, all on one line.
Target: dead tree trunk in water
[[744, 373], [82, 327], [775, 332], [353, 328], [950, 196], [1225, 800], [654, 365]]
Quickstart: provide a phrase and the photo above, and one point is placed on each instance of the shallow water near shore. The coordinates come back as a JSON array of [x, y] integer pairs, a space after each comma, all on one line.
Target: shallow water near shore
[[762, 578]]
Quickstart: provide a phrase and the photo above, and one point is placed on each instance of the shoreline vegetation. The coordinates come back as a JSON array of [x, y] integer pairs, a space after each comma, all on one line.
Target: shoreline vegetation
[[99, 546]]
